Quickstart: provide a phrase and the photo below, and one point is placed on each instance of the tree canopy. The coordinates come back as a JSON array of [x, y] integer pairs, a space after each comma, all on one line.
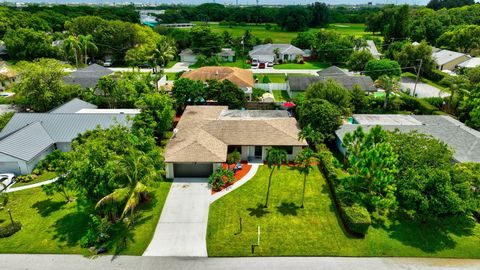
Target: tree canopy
[[331, 91], [318, 114]]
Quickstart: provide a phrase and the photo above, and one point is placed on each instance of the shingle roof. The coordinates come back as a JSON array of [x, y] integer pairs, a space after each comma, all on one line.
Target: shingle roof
[[73, 106], [332, 71], [301, 83], [445, 56], [463, 140], [21, 145], [238, 76], [226, 52], [267, 49], [87, 77], [204, 133]]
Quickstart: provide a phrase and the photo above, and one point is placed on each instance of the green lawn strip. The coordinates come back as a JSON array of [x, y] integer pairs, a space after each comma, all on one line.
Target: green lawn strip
[[274, 78], [427, 81], [305, 65], [41, 178], [170, 64], [238, 63], [287, 230], [170, 76], [280, 95], [49, 225]]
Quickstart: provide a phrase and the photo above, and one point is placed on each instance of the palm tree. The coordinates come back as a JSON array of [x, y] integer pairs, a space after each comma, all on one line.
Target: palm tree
[[138, 170], [71, 46], [276, 51], [87, 45], [164, 51], [312, 136], [305, 161], [275, 158], [456, 85], [389, 84]]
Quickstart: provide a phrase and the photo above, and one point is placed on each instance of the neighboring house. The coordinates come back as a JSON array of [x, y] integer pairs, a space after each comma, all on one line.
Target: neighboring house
[[87, 77], [470, 63], [7, 76], [449, 60], [227, 55], [373, 49], [301, 83], [206, 134], [29, 137], [463, 140], [243, 78], [187, 55], [266, 52]]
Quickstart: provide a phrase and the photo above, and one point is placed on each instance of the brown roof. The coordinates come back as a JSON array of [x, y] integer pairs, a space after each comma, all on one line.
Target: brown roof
[[238, 76], [203, 134]]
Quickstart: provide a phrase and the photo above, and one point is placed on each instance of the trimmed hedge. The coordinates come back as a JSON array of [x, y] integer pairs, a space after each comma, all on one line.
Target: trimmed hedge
[[10, 229], [436, 75], [355, 217], [417, 106]]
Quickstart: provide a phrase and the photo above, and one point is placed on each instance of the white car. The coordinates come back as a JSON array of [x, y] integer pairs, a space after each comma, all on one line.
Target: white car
[[269, 64], [108, 63], [254, 62], [7, 179]]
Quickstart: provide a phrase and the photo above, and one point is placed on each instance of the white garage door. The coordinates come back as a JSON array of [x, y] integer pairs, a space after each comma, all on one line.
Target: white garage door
[[9, 167], [192, 170]]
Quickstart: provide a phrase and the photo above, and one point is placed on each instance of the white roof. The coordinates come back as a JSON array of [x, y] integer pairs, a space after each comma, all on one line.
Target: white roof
[[445, 56], [373, 49], [267, 49], [471, 63], [109, 111]]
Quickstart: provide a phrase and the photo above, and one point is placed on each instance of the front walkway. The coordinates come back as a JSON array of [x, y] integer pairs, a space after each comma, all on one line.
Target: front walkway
[[13, 189], [182, 227], [251, 173]]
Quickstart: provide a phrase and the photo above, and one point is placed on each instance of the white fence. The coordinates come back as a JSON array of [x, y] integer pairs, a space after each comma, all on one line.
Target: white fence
[[272, 86]]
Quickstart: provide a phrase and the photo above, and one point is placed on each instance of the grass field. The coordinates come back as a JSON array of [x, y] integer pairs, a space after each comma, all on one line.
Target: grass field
[[49, 225], [280, 95], [287, 230], [306, 65], [281, 36], [43, 177]]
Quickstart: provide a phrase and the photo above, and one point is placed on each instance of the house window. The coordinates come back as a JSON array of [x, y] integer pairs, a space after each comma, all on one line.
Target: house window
[[285, 57], [288, 149]]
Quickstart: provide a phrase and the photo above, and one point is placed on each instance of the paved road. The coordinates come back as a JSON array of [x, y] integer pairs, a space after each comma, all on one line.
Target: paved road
[[182, 67], [182, 227], [77, 262], [423, 90]]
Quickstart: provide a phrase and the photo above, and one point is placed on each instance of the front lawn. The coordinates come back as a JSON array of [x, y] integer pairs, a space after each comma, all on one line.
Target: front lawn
[[40, 178], [287, 230], [51, 226], [281, 95], [273, 78], [305, 65], [240, 63]]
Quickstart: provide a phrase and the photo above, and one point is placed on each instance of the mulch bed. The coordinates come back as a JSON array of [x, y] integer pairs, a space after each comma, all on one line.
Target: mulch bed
[[238, 174]]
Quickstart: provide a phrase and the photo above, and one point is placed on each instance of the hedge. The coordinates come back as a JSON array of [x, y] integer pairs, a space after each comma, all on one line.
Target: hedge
[[435, 75], [417, 106], [10, 229], [355, 218]]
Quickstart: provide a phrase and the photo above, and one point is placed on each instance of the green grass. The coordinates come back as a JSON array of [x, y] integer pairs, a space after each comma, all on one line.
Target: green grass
[[274, 78], [280, 95], [170, 64], [43, 177], [287, 230], [170, 76], [306, 65], [49, 225], [282, 36], [238, 63]]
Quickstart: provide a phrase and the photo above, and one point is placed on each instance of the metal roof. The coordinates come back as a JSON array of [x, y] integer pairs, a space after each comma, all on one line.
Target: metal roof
[[22, 145], [73, 106], [471, 63], [445, 56]]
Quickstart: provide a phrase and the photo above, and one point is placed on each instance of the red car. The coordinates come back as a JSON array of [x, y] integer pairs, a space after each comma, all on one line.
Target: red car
[[262, 65]]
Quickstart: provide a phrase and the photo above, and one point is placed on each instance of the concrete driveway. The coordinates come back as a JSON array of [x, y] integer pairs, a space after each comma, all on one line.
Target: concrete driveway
[[423, 90], [182, 227]]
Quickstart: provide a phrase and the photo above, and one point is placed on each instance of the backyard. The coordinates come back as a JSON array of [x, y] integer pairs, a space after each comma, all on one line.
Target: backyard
[[49, 225], [288, 230]]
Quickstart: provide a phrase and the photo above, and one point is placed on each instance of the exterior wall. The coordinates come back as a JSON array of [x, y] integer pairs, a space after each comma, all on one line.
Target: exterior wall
[[338, 143], [169, 170], [188, 58], [32, 163], [64, 147], [249, 152], [21, 165], [453, 64], [245, 152]]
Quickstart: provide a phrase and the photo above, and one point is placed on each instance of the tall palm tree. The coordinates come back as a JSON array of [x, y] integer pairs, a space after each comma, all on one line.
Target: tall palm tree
[[275, 158], [164, 51], [138, 170], [87, 45], [390, 85], [71, 46], [305, 161]]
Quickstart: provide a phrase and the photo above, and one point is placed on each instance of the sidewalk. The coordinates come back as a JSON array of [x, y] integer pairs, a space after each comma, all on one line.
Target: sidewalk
[[31, 186]]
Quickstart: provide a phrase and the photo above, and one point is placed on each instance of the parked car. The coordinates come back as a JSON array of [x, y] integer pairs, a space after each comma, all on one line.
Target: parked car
[[269, 64], [144, 65], [7, 179], [254, 61], [262, 65], [108, 63]]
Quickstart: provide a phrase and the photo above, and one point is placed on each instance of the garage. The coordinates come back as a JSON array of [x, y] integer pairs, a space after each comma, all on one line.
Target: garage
[[9, 167], [192, 169]]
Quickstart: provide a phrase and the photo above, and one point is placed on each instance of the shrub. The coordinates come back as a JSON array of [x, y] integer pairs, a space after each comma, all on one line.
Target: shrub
[[50, 163], [25, 178], [356, 218], [435, 101], [416, 105], [436, 75], [233, 157], [266, 79], [220, 177], [257, 93], [10, 229]]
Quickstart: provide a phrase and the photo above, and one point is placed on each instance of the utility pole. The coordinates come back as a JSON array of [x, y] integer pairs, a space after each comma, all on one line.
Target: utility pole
[[418, 77]]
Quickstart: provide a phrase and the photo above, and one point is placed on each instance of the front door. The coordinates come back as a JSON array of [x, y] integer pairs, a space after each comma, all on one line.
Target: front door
[[258, 152]]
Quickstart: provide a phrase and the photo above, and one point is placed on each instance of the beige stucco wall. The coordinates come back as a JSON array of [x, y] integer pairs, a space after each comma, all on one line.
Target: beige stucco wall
[[453, 64]]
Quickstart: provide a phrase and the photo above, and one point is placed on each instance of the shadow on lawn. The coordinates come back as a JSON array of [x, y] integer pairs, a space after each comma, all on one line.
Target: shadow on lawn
[[71, 227], [433, 236], [260, 211], [288, 209], [46, 207]]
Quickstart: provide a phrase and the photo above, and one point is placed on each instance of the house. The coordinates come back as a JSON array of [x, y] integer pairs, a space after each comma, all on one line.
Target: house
[[470, 63], [29, 137], [227, 55], [206, 134], [373, 49], [7, 76], [87, 77], [187, 55], [301, 83], [243, 78], [448, 60], [267, 53], [463, 140]]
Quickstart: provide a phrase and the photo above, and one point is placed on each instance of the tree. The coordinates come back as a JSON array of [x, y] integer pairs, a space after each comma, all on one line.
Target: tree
[[42, 87], [428, 25], [28, 44], [331, 91], [156, 114], [226, 93], [333, 47], [164, 51], [359, 59], [358, 100], [439, 4], [319, 13], [275, 158], [397, 25], [5, 118], [372, 165], [186, 91], [411, 55], [204, 41], [87, 45], [294, 18], [377, 68], [304, 40], [473, 74], [470, 108], [321, 116], [458, 85], [305, 161], [390, 85], [463, 38], [71, 47]]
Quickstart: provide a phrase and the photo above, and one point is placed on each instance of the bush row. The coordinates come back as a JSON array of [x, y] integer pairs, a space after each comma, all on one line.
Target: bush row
[[10, 229], [417, 106], [355, 217]]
